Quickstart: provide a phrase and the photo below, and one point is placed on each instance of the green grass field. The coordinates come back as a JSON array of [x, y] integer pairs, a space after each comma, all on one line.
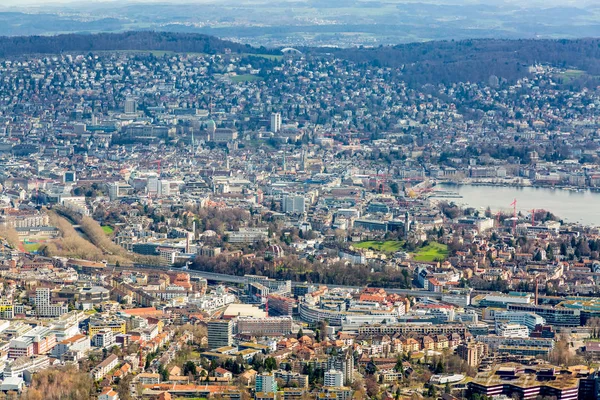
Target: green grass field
[[32, 247], [245, 78], [571, 74], [432, 252], [389, 246], [108, 230]]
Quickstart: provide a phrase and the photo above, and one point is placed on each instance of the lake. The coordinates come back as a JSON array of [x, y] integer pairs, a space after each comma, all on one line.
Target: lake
[[569, 205]]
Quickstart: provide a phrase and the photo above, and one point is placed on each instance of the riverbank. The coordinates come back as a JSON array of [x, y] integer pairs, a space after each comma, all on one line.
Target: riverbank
[[516, 183], [572, 206]]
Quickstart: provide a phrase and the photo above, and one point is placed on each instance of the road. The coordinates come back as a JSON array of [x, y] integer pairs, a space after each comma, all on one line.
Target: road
[[212, 276]]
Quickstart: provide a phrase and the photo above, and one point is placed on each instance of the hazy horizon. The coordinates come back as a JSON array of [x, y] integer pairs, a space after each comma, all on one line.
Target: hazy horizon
[[537, 3], [339, 23]]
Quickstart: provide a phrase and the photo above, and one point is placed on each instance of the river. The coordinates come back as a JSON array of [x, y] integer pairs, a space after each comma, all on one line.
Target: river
[[569, 205]]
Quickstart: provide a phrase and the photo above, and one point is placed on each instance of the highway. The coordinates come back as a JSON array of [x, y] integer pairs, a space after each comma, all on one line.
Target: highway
[[212, 276]]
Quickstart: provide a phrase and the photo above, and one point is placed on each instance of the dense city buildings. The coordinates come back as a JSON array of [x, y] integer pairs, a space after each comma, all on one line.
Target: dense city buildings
[[289, 226]]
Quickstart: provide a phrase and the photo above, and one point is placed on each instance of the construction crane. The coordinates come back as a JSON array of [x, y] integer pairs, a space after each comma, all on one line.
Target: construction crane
[[158, 162], [514, 218], [266, 299], [381, 182]]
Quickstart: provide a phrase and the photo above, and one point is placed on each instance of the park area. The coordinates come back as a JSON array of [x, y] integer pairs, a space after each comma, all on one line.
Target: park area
[[389, 246], [431, 251], [31, 246]]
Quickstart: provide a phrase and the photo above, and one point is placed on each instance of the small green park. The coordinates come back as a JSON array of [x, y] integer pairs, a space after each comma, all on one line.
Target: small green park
[[428, 252]]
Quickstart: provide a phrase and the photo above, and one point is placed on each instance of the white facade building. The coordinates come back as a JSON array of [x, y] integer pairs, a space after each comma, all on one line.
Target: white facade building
[[528, 319], [511, 330], [334, 378], [293, 204], [275, 122]]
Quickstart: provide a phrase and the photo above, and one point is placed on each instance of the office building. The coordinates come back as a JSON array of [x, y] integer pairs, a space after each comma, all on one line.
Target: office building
[[119, 189], [511, 330], [554, 315], [275, 122], [518, 345], [44, 308], [39, 340], [528, 319], [114, 324], [248, 235], [220, 333], [130, 106], [224, 135], [24, 365], [293, 204], [265, 326]]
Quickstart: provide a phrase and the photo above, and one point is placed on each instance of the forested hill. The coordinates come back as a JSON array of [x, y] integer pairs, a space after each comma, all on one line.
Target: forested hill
[[147, 40], [476, 60], [429, 62]]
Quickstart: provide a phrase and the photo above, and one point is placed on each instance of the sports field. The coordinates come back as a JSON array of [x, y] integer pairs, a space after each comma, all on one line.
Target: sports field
[[389, 246]]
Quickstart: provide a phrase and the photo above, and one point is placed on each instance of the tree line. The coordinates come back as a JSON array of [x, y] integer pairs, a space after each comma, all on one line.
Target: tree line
[[136, 40], [476, 60], [337, 273]]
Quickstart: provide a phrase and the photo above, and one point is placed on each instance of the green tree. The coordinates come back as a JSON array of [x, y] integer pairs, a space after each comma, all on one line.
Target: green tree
[[270, 364], [164, 374], [431, 392], [549, 253], [189, 368]]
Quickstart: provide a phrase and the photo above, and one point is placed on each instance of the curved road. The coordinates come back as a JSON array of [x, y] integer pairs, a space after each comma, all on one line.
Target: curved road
[[212, 276]]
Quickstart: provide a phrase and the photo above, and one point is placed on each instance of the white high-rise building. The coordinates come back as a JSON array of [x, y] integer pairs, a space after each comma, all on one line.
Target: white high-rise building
[[130, 106], [275, 122], [164, 188], [43, 306], [334, 378], [42, 297], [152, 185], [265, 383], [294, 204], [220, 333]]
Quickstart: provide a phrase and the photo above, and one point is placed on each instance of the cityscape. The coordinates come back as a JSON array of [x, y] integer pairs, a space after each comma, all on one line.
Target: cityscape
[[195, 218]]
